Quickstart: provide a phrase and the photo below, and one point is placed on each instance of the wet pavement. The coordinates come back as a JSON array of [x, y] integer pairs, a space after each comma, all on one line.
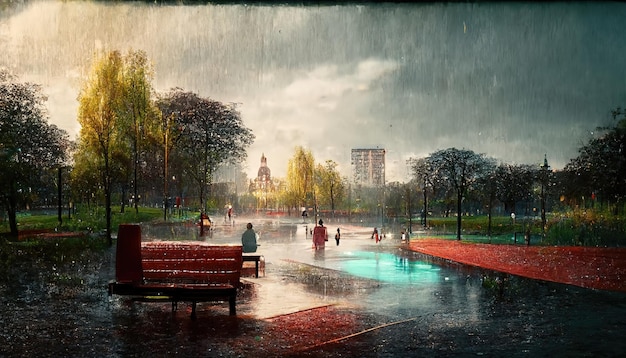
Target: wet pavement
[[402, 303]]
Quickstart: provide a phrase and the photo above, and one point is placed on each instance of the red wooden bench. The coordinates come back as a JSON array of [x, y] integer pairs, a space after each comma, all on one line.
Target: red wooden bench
[[259, 264], [176, 271]]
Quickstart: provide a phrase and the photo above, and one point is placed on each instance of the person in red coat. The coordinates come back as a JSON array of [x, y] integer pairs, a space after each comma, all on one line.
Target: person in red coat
[[320, 236]]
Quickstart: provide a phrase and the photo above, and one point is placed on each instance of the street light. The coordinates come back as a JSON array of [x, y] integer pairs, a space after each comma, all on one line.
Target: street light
[[409, 209], [544, 178]]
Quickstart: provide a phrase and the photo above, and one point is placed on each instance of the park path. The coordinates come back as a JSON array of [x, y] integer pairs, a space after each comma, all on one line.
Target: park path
[[589, 267]]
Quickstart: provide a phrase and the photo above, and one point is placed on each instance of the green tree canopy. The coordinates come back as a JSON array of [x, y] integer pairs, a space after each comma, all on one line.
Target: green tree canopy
[[330, 187], [101, 104], [204, 133], [138, 117], [600, 168], [514, 183], [460, 168], [28, 144]]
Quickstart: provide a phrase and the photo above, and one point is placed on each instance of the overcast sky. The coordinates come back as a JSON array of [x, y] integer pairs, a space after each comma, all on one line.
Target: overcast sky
[[513, 81]]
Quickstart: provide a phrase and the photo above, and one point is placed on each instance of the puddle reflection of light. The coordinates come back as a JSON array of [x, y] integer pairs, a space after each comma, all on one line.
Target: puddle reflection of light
[[389, 268]]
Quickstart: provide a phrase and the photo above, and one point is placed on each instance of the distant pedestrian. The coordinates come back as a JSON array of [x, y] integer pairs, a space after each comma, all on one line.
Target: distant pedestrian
[[375, 235], [337, 236], [205, 224]]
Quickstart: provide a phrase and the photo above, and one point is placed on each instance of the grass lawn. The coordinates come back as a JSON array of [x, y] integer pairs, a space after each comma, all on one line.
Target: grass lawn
[[83, 220]]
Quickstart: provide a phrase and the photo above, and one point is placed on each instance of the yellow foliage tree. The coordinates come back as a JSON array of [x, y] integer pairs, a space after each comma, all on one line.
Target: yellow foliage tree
[[300, 180], [100, 101]]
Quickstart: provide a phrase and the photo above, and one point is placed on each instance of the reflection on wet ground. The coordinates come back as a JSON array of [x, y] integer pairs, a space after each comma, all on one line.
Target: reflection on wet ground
[[420, 306]]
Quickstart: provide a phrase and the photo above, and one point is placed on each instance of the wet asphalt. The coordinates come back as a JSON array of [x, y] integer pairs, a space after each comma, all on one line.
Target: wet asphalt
[[415, 305]]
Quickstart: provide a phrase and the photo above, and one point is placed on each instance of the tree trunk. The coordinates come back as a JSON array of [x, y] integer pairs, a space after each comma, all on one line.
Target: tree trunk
[[489, 219], [425, 206], [123, 203], [60, 197], [135, 165], [459, 197], [12, 212], [107, 199]]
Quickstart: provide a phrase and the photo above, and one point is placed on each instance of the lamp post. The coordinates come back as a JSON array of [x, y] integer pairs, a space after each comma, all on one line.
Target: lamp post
[[425, 210], [544, 178], [60, 196], [165, 157], [409, 211]]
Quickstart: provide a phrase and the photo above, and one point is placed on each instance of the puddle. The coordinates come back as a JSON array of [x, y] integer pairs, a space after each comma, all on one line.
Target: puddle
[[388, 268]]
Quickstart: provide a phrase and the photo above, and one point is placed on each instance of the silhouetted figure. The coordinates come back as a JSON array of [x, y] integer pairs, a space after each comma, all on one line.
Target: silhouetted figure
[[205, 224], [248, 239]]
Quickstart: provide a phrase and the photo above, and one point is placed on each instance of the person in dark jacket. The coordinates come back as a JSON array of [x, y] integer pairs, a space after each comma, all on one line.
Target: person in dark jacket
[[248, 239]]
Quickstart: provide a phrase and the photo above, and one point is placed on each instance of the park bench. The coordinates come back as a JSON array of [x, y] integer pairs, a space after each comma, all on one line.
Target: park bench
[[259, 262], [176, 271]]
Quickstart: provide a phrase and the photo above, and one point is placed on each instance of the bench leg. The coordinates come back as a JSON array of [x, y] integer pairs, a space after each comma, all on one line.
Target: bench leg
[[256, 267], [232, 305], [174, 306]]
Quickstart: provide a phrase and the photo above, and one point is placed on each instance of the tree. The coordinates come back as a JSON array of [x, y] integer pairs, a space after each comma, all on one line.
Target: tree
[[485, 188], [28, 144], [423, 174], [460, 168], [84, 177], [600, 169], [300, 177], [100, 105], [205, 133], [395, 200], [138, 118], [513, 184], [330, 188], [544, 177]]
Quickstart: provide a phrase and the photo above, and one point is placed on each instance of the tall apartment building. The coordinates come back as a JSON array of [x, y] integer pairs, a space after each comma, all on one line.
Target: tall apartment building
[[368, 167]]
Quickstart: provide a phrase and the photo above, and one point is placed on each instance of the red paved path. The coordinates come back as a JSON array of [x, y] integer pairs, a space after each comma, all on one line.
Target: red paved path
[[590, 267]]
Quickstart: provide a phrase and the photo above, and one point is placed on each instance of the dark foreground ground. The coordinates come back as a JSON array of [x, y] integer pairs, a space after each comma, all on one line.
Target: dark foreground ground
[[303, 306]]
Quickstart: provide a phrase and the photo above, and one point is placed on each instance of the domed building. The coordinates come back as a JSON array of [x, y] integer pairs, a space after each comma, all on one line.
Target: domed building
[[264, 175], [262, 186]]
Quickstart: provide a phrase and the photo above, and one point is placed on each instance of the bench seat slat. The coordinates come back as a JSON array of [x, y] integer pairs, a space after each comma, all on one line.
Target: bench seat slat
[[177, 291], [192, 265], [197, 277], [181, 252]]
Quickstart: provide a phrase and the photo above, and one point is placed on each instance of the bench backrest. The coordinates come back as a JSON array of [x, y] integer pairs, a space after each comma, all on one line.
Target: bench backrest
[[191, 262], [128, 254]]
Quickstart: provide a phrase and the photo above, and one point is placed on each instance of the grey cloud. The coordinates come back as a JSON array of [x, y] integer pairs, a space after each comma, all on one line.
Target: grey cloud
[[511, 80]]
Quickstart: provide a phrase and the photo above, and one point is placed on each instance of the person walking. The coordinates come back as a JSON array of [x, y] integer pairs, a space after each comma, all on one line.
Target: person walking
[[375, 235], [320, 236], [248, 239], [337, 236]]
